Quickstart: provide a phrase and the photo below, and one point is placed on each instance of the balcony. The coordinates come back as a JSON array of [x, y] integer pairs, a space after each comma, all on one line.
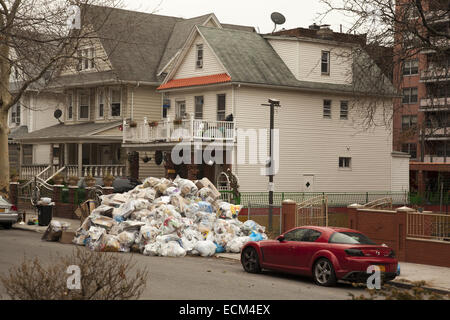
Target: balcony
[[436, 104], [435, 74], [169, 131], [437, 133], [435, 159]]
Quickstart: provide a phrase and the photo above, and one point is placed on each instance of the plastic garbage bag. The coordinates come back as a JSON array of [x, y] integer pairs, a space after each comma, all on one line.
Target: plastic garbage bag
[[255, 236], [187, 187], [251, 225], [151, 182], [205, 248], [205, 207], [126, 239], [172, 191], [152, 249], [112, 244], [172, 249], [219, 248], [236, 245]]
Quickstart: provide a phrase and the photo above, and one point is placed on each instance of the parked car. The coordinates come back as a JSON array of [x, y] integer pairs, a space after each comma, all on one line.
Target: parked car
[[326, 254], [8, 213]]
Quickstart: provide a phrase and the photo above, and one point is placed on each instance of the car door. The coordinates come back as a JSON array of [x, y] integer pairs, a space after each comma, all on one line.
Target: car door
[[277, 254], [304, 249], [286, 256]]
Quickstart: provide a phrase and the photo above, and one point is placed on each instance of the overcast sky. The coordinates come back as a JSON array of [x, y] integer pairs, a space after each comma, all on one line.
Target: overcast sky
[[255, 13]]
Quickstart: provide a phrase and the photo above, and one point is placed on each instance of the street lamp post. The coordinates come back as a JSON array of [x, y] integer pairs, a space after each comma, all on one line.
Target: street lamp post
[[272, 104]]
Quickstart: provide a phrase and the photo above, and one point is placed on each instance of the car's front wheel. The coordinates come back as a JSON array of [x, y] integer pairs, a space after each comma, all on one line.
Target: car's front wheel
[[250, 260], [324, 273]]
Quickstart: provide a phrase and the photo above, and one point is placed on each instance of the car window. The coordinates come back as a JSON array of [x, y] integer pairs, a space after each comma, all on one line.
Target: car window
[[311, 236], [350, 238], [295, 235]]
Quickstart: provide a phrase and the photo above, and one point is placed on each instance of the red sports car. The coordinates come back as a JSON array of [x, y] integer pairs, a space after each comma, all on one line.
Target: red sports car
[[326, 254]]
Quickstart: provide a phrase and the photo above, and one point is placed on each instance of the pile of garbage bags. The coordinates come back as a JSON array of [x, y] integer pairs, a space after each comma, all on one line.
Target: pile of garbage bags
[[168, 218]]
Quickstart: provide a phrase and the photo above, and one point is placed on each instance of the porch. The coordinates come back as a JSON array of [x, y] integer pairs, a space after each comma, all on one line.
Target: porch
[[80, 160], [167, 131]]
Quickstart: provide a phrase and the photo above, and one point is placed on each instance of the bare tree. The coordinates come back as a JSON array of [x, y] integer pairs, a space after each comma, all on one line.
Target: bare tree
[[36, 42], [397, 32]]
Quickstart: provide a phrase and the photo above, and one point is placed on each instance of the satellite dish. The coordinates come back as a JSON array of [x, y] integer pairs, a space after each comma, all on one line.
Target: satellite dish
[[278, 19], [58, 114]]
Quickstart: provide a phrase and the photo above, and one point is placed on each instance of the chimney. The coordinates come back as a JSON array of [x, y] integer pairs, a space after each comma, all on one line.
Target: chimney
[[314, 26], [325, 32]]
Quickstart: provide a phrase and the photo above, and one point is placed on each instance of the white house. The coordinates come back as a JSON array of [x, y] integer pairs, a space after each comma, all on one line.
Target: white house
[[323, 148]]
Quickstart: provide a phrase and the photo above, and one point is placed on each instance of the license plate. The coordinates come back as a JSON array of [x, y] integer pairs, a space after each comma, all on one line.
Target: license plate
[[382, 268], [2, 210]]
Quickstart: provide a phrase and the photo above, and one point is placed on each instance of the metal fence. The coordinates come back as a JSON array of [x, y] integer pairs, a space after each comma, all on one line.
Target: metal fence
[[260, 214], [428, 226], [335, 199]]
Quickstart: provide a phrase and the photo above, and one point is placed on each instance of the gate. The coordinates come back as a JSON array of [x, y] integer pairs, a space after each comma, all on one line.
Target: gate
[[312, 212], [35, 189]]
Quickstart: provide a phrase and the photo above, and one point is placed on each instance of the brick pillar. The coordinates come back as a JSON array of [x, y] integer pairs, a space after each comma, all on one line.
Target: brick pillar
[[73, 190], [352, 215], [402, 232], [14, 193], [289, 208]]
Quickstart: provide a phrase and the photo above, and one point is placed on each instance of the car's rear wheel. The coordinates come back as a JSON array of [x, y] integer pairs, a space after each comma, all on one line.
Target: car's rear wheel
[[250, 261], [324, 273]]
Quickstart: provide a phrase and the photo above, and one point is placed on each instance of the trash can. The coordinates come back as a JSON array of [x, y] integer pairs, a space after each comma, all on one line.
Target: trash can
[[44, 215]]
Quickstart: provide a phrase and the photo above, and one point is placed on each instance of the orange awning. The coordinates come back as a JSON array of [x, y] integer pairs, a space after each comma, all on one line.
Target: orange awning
[[196, 81]]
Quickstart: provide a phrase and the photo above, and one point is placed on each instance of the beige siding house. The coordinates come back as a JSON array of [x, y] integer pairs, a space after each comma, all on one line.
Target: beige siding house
[[216, 90]]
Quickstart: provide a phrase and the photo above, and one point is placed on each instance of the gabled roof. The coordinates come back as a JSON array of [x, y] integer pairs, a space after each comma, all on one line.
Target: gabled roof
[[63, 131], [248, 58], [17, 132]]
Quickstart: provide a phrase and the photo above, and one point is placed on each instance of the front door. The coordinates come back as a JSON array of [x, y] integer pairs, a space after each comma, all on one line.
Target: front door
[[105, 154]]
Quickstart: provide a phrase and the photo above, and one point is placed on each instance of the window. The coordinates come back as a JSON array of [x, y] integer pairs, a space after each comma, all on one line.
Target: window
[[345, 163], [116, 101], [199, 107], [295, 235], [410, 95], [86, 59], [180, 109], [311, 236], [327, 109], [221, 107], [199, 63], [83, 112], [100, 103], [409, 122], [70, 106], [411, 67], [350, 238], [344, 110], [411, 149], [325, 63], [15, 113]]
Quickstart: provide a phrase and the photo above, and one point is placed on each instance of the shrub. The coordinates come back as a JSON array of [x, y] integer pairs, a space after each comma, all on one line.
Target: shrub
[[104, 276]]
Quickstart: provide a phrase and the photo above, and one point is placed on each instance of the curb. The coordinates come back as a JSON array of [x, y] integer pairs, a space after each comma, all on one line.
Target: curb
[[27, 229], [405, 285]]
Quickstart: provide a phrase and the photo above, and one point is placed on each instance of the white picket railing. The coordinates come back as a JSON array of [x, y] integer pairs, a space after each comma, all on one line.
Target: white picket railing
[[103, 170], [184, 130], [28, 172]]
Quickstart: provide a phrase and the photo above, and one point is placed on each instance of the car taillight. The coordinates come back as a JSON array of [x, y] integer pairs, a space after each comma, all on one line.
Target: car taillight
[[392, 254], [13, 208], [354, 252]]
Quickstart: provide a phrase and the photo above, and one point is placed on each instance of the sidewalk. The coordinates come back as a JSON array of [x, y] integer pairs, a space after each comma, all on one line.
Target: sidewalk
[[74, 224], [436, 278]]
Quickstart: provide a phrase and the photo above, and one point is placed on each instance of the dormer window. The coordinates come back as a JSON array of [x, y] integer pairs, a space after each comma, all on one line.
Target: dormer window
[[199, 63], [325, 63], [86, 59]]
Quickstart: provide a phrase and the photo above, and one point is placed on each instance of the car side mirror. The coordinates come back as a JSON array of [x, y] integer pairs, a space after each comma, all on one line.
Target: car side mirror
[[280, 238]]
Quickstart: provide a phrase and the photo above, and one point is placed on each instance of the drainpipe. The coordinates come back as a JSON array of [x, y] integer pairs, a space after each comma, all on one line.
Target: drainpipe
[[132, 99]]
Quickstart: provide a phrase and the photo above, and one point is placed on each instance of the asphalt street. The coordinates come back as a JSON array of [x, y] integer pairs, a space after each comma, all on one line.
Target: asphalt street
[[188, 278]]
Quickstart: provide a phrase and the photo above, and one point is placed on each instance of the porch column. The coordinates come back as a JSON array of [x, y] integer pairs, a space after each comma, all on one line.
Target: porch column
[[80, 159], [66, 154], [20, 160], [51, 158]]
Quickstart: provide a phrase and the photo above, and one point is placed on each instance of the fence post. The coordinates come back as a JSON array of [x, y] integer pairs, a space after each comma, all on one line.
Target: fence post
[[352, 215], [14, 193], [402, 232], [367, 197], [289, 208]]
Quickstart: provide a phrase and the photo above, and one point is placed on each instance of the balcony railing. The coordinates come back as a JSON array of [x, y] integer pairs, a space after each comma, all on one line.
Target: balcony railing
[[436, 103], [183, 130], [436, 159], [435, 74], [437, 133]]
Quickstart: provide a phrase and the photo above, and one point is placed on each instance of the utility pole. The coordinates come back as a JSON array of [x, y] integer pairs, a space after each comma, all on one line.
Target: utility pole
[[272, 104]]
